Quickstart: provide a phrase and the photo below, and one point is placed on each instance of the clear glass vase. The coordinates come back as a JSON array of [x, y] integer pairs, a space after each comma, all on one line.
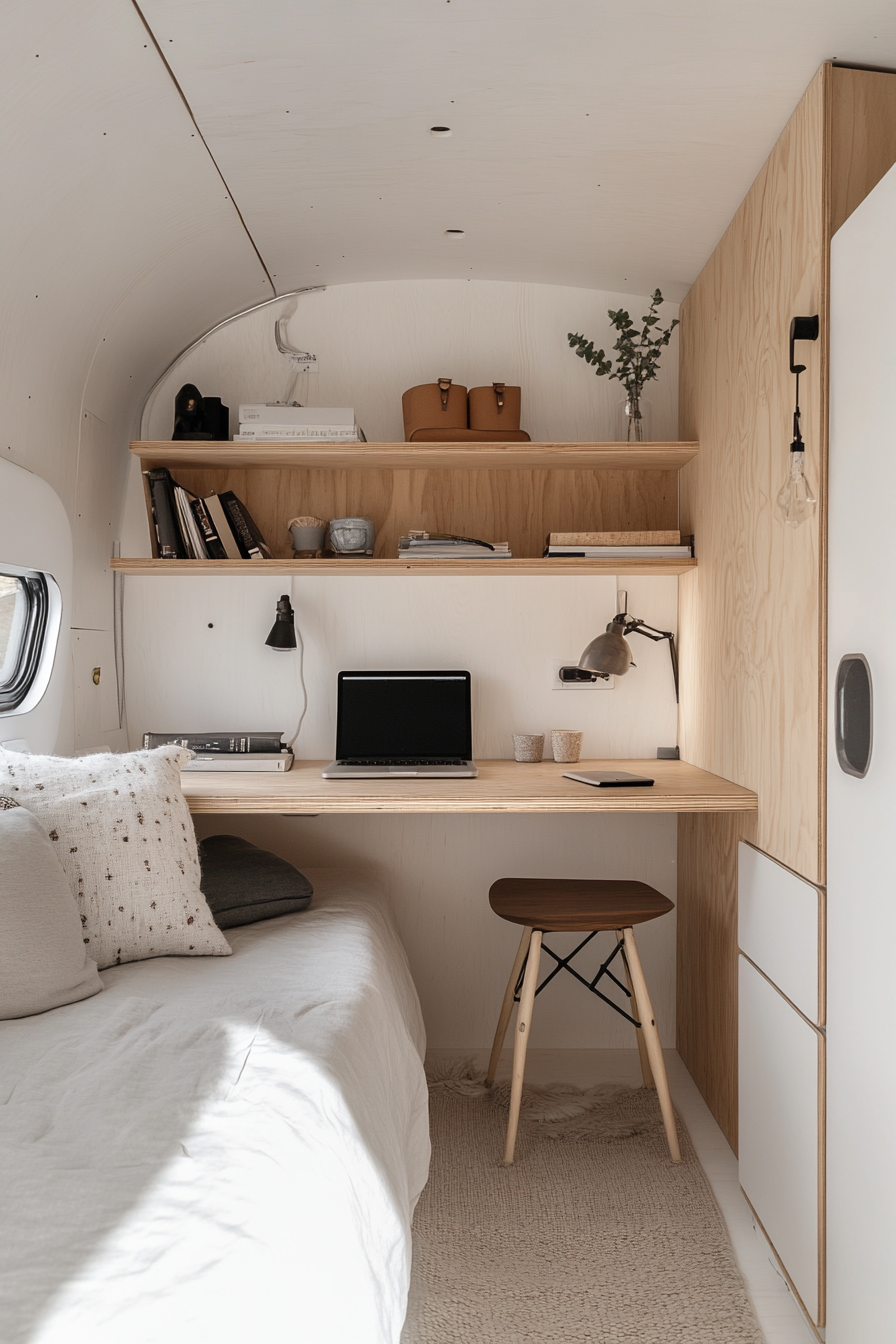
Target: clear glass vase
[[634, 419]]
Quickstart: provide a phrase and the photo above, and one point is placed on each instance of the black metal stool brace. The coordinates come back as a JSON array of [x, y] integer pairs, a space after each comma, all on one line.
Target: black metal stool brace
[[550, 905]]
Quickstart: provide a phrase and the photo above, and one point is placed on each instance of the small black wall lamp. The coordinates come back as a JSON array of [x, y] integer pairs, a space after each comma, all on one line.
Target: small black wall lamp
[[283, 631]]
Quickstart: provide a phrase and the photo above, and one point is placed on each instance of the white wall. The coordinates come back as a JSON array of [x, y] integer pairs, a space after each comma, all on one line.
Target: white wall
[[118, 246], [375, 340]]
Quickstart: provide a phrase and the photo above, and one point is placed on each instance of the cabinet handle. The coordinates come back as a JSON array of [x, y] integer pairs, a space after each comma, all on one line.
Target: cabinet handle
[[853, 714]]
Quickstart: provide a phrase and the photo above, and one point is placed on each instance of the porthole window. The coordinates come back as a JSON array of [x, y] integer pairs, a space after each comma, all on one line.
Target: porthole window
[[24, 609]]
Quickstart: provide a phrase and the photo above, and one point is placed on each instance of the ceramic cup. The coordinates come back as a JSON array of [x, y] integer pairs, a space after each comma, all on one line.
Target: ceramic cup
[[307, 534], [566, 744], [352, 536], [528, 746]]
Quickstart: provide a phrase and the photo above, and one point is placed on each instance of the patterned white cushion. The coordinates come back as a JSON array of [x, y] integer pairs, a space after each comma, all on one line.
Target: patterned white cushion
[[125, 839]]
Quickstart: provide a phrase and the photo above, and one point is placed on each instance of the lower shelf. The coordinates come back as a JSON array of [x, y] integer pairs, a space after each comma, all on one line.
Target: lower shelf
[[521, 566]]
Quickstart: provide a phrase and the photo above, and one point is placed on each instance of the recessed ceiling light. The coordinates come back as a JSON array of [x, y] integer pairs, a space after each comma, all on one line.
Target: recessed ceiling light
[[440, 130], [455, 233]]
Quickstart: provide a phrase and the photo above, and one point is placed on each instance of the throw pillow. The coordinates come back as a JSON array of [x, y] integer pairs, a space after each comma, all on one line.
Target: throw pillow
[[244, 884], [124, 837], [43, 963]]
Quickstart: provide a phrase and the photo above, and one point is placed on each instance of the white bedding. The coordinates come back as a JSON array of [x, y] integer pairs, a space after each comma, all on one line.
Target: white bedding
[[220, 1150]]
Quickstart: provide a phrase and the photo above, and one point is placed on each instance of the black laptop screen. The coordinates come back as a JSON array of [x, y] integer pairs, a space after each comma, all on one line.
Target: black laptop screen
[[404, 714]]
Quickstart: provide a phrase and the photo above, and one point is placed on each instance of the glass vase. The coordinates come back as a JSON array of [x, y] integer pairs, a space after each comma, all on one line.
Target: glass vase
[[634, 419]]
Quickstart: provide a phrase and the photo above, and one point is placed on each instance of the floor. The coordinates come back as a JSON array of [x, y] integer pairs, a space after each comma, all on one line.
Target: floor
[[780, 1317]]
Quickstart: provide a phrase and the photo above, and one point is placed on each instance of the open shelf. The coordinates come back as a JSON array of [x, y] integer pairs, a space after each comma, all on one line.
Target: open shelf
[[372, 566], [417, 456], [514, 492]]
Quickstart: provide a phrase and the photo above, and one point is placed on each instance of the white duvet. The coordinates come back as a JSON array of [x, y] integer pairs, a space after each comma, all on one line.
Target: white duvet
[[220, 1150]]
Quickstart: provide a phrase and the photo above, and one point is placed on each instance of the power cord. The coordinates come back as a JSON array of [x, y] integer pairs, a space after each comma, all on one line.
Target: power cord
[[301, 648]]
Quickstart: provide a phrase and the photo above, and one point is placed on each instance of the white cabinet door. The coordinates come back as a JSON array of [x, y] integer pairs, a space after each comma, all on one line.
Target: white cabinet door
[[780, 927], [861, 881], [780, 1075]]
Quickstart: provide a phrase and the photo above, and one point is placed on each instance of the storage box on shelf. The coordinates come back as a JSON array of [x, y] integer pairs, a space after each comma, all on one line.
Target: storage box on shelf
[[514, 492]]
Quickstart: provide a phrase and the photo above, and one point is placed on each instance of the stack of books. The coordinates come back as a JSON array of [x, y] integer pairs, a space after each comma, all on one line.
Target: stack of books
[[227, 751], [445, 546], [266, 423], [619, 545], [219, 527]]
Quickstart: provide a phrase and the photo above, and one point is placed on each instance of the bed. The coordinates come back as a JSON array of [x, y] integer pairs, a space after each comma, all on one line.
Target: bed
[[220, 1149]]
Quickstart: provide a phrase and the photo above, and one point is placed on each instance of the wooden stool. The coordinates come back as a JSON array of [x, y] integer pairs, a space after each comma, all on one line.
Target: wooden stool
[[549, 905]]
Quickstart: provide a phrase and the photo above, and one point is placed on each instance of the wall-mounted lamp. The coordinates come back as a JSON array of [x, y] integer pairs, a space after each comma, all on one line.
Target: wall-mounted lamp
[[609, 654], [283, 631], [795, 498]]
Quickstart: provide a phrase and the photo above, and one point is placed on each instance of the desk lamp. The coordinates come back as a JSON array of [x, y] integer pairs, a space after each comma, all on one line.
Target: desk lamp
[[609, 655]]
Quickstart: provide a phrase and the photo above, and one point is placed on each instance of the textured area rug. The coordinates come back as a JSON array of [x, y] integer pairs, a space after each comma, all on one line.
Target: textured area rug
[[593, 1235]]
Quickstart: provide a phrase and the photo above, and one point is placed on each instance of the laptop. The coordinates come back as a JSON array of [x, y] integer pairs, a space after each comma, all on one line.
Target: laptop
[[403, 723]]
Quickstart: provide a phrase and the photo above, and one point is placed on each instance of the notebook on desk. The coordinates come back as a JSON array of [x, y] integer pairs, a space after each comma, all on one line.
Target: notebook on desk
[[390, 724]]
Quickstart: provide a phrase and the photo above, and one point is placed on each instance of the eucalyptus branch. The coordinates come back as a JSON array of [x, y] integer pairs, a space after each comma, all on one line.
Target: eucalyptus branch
[[638, 353]]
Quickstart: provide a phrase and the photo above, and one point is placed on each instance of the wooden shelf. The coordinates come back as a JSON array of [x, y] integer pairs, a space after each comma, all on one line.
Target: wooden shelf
[[418, 456], [372, 566]]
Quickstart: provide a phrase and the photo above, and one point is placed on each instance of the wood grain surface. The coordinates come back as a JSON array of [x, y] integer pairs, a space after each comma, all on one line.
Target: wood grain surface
[[553, 904], [750, 628], [520, 507], [556, 565], [863, 136], [502, 786], [660, 456]]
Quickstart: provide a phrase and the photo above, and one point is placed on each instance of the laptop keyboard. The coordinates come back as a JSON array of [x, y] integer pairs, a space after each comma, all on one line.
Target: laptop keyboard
[[417, 760]]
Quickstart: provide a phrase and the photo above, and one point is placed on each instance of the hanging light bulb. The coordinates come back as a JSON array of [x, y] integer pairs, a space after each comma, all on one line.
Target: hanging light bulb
[[795, 498]]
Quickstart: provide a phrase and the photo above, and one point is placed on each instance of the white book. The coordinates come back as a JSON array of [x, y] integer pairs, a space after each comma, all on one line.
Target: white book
[[623, 552], [292, 434], [221, 523], [266, 414], [279, 761]]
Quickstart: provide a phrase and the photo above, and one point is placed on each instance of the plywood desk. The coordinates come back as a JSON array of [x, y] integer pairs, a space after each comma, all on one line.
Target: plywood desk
[[502, 786]]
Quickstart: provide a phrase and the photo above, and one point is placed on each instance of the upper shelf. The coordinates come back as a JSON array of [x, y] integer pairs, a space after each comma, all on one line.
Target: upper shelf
[[415, 456]]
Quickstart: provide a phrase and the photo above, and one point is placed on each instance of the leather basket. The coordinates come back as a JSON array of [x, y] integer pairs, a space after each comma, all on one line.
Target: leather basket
[[439, 406], [495, 408]]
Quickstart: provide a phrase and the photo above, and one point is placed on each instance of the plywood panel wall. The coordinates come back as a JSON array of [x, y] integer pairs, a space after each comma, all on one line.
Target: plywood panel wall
[[751, 620], [752, 617]]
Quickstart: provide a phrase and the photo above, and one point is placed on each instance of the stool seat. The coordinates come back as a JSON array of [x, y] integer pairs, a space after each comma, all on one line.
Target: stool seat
[[559, 904]]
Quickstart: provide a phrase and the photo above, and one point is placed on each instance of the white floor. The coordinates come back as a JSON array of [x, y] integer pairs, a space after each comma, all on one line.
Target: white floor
[[780, 1316]]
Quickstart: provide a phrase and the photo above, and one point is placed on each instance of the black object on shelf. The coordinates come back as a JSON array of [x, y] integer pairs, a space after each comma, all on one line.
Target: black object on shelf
[[198, 417]]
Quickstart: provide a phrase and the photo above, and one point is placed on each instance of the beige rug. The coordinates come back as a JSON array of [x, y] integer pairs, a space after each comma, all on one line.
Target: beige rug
[[593, 1235]]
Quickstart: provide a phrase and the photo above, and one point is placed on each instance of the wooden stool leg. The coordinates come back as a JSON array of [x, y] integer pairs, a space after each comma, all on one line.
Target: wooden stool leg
[[652, 1041], [639, 1035], [507, 1006], [521, 1041]]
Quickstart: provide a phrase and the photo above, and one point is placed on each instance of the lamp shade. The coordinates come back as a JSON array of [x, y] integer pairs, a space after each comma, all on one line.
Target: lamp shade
[[609, 653], [283, 631]]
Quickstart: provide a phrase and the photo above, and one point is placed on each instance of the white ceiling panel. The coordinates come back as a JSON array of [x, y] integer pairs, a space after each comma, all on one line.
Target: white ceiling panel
[[593, 144]]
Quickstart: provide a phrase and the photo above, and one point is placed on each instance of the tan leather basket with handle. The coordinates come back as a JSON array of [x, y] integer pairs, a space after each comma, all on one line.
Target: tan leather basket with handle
[[439, 406], [495, 408]]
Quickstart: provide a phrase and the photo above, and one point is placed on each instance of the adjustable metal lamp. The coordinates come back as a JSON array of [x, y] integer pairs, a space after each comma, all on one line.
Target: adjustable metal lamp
[[283, 631], [609, 655]]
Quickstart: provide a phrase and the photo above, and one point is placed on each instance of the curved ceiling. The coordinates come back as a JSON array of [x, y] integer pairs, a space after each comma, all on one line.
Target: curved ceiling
[[593, 144]]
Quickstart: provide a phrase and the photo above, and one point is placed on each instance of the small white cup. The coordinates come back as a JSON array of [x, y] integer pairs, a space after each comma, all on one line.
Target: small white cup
[[566, 744], [528, 747]]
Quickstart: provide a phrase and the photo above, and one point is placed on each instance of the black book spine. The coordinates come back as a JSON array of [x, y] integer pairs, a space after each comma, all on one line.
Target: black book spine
[[212, 541], [223, 743], [164, 513], [249, 538]]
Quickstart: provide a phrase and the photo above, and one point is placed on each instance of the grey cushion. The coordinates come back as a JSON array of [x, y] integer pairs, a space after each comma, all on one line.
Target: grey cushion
[[244, 884], [43, 962]]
